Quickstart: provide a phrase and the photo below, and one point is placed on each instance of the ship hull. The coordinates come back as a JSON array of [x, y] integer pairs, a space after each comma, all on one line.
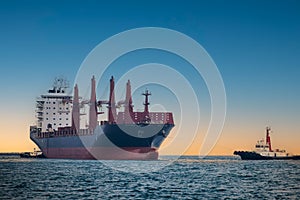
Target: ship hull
[[251, 155], [107, 142]]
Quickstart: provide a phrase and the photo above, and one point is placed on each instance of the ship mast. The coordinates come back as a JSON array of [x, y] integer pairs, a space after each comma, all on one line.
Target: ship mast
[[112, 102], [93, 108], [146, 106], [128, 103], [75, 110]]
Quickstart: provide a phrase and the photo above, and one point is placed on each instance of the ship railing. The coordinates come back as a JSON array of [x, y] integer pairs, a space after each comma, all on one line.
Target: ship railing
[[39, 114], [39, 109], [34, 131], [40, 100], [63, 133], [138, 117]]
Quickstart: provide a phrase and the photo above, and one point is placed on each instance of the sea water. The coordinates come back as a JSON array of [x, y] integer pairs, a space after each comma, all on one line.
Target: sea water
[[168, 178]]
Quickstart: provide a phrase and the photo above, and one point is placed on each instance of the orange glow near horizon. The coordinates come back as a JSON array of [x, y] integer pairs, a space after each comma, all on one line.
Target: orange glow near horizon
[[14, 137]]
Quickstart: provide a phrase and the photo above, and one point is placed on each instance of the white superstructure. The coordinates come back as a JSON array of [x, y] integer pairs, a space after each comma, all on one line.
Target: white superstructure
[[264, 148], [54, 109]]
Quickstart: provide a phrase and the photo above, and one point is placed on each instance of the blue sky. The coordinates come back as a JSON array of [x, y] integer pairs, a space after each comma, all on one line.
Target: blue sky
[[255, 44]]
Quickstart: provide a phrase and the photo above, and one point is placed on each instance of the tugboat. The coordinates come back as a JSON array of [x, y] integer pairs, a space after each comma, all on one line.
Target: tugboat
[[34, 154], [263, 151]]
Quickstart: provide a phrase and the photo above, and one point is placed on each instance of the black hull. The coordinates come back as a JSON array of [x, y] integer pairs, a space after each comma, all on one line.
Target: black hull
[[108, 141], [250, 155]]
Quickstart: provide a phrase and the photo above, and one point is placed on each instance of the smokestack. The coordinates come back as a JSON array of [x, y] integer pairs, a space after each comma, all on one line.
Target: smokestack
[[93, 108], [112, 102], [75, 110]]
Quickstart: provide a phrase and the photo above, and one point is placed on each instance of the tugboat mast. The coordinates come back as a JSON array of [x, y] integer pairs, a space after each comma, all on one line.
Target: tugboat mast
[[268, 138]]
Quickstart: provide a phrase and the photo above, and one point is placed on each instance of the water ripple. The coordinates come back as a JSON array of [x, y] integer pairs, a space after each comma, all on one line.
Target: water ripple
[[186, 178]]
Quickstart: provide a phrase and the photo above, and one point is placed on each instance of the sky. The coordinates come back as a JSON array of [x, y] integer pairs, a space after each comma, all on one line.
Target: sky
[[255, 45]]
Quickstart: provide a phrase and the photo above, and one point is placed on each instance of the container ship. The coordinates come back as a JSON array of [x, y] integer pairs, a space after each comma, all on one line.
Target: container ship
[[263, 151], [124, 134]]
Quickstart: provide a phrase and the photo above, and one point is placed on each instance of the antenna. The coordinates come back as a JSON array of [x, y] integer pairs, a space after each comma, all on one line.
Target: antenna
[[60, 84]]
